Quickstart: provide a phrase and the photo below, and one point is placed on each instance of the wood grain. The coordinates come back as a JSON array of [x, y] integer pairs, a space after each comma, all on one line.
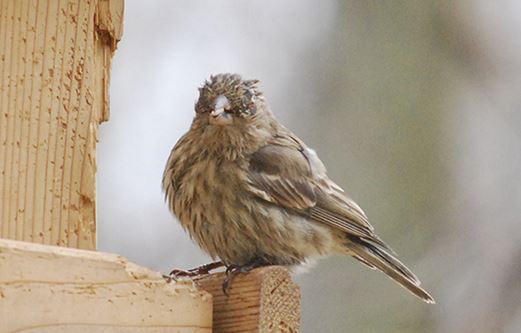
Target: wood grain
[[264, 300], [55, 59], [54, 289]]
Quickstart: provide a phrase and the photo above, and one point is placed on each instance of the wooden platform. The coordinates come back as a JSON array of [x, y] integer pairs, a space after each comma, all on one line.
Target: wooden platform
[[54, 289]]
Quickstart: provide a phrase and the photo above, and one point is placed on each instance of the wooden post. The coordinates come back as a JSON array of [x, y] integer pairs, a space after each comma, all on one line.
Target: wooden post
[[54, 289], [55, 59], [264, 300]]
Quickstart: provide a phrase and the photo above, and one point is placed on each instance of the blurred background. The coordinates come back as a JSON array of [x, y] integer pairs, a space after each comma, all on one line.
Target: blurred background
[[414, 107]]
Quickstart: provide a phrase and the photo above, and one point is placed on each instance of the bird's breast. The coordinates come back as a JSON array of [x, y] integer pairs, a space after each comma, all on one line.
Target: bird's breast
[[227, 222], [208, 204]]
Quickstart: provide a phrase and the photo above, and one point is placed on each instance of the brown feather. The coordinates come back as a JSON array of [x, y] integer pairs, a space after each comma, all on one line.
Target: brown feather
[[389, 265], [291, 176]]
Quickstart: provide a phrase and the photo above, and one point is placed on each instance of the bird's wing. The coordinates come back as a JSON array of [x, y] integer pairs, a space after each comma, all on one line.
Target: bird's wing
[[288, 174]]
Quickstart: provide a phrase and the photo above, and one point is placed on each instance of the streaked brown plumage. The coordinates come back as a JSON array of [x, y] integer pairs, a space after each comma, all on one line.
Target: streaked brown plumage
[[248, 190]]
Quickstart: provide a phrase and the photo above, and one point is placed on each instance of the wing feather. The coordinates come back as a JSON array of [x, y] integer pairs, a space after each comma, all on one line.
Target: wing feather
[[290, 175], [287, 174]]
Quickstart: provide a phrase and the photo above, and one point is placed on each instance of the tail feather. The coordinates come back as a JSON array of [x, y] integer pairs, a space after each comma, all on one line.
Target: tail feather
[[378, 258], [395, 263]]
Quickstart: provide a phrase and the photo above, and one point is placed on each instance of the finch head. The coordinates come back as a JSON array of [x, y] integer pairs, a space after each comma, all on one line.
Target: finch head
[[227, 99]]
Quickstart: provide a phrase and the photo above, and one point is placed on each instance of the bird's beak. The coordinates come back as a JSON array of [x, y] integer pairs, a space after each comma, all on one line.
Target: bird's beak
[[217, 112], [219, 116]]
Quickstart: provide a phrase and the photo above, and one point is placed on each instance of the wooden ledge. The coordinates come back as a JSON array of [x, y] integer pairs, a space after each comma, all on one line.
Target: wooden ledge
[[264, 300], [54, 289]]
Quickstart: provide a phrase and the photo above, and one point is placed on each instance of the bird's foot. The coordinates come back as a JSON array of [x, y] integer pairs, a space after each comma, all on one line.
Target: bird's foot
[[233, 270], [176, 273]]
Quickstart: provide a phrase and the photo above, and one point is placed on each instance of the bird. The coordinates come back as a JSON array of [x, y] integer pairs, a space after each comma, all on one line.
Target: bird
[[250, 193]]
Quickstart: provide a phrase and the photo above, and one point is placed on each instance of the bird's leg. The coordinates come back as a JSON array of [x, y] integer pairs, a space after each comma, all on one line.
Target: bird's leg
[[233, 270], [201, 270]]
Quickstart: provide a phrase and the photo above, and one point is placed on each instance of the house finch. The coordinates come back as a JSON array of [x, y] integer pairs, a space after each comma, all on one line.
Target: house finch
[[251, 193]]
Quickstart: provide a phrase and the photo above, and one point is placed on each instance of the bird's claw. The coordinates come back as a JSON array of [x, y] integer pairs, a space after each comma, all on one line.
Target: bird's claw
[[233, 270], [177, 273]]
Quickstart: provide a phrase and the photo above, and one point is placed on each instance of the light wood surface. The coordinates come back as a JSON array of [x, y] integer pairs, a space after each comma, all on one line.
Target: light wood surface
[[263, 300], [55, 289], [55, 59]]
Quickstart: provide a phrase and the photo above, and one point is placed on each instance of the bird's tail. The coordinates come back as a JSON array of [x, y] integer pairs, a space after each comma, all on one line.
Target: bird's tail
[[378, 257]]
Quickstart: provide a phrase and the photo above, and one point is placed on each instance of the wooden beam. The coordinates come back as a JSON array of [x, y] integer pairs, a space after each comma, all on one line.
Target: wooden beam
[[54, 289], [55, 59], [264, 300]]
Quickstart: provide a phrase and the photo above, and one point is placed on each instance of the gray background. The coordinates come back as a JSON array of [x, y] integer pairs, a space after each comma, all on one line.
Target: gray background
[[414, 107]]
